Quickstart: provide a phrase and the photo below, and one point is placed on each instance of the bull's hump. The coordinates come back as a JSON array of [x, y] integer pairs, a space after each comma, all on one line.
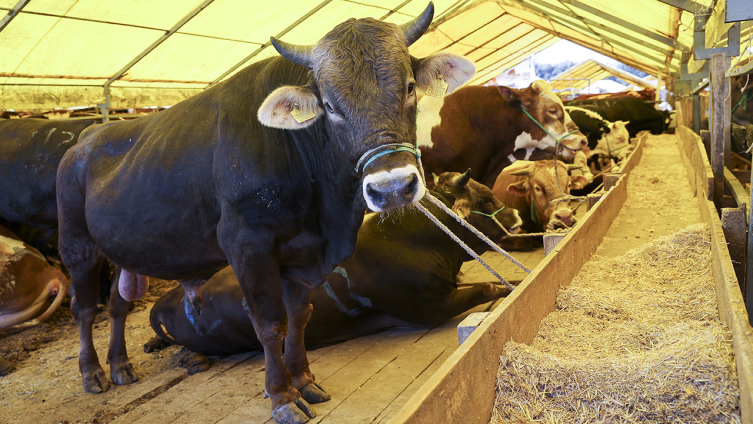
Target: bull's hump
[[428, 118]]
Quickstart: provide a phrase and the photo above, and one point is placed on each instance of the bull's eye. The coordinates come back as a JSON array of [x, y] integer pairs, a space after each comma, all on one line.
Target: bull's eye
[[329, 107], [411, 88], [553, 111]]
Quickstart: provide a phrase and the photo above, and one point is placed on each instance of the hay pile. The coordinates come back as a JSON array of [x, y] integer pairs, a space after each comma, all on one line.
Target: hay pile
[[633, 338]]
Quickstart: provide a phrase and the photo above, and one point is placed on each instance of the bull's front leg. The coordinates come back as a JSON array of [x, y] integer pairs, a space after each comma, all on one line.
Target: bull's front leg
[[259, 276], [297, 300]]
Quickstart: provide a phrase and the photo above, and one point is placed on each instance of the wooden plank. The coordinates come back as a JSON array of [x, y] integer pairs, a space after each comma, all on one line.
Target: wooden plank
[[592, 199], [721, 126], [741, 195], [469, 324], [462, 390], [699, 171], [610, 180], [551, 241], [735, 232]]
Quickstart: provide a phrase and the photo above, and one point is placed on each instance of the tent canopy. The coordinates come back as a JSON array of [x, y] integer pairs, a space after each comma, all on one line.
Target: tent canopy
[[584, 74], [61, 53]]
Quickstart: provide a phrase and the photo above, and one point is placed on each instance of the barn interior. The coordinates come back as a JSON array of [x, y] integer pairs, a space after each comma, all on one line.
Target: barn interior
[[81, 60]]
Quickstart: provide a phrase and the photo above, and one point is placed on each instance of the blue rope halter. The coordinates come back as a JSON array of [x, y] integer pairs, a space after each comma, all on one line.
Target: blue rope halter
[[393, 148]]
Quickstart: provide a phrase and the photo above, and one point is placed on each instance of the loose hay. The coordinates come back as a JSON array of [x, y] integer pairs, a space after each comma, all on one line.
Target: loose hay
[[633, 338]]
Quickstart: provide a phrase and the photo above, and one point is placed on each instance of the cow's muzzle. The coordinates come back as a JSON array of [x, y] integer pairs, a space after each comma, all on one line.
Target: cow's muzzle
[[391, 189]]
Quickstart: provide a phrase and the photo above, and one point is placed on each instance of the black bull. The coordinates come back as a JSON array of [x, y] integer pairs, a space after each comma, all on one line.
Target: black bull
[[183, 193], [404, 273]]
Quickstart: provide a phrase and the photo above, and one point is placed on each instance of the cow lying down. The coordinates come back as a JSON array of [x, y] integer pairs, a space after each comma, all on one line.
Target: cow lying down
[[27, 282], [533, 189], [404, 273]]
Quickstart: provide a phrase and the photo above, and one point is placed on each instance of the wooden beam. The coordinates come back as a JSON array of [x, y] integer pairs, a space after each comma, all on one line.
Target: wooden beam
[[686, 5], [735, 232], [720, 125], [741, 195]]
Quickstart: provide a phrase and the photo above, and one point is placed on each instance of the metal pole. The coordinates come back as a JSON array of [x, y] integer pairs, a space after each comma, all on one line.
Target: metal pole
[[12, 13]]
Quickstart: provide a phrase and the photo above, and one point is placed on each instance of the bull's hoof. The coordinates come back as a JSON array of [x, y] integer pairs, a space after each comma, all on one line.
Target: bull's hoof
[[155, 344], [314, 393], [297, 412], [194, 362], [123, 374], [95, 381]]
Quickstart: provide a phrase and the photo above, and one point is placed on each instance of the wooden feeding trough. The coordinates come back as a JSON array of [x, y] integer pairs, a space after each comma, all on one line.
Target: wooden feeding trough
[[463, 389]]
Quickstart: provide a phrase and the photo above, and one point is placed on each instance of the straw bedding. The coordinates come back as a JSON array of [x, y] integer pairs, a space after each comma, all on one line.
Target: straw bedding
[[633, 338]]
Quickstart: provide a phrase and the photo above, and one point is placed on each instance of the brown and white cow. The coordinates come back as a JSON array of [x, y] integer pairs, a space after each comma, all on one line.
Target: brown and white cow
[[482, 127], [532, 188]]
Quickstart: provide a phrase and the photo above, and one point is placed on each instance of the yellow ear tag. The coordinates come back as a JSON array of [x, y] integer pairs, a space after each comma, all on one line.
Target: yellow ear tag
[[437, 88], [301, 116]]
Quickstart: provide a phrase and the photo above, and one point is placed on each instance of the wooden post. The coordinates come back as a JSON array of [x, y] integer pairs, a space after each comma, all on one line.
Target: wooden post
[[720, 125], [734, 226], [696, 113], [610, 180], [748, 293], [592, 199], [551, 241], [466, 326]]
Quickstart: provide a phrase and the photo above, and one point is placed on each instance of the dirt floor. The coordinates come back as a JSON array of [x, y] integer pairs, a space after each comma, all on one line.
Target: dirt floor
[[45, 386]]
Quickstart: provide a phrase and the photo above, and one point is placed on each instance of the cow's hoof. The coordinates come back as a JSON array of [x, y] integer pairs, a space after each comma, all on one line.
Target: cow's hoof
[[155, 344], [297, 412], [123, 374], [314, 393], [96, 382]]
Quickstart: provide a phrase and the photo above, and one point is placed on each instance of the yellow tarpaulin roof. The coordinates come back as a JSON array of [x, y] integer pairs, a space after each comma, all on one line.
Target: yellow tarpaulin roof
[[60, 53], [584, 74]]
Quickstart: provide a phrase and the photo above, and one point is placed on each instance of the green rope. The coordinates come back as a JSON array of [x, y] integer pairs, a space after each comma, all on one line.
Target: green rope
[[746, 96]]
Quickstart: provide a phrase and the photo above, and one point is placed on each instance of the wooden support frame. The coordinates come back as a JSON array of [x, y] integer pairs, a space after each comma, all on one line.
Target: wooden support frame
[[735, 231]]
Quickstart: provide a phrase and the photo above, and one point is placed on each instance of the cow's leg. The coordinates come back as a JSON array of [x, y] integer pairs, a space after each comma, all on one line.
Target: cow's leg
[[259, 278], [298, 304], [121, 369], [461, 300]]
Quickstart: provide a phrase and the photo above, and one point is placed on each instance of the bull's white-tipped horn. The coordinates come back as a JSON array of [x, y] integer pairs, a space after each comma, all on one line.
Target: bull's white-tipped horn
[[301, 55], [414, 29]]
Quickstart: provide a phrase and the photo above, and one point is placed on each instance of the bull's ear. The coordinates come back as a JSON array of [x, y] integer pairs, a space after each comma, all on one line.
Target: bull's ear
[[577, 182], [455, 69], [276, 110], [625, 122], [462, 207], [519, 189]]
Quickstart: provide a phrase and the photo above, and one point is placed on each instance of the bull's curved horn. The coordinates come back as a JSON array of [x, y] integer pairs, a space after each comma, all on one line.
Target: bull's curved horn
[[302, 55], [414, 29], [462, 179], [525, 171]]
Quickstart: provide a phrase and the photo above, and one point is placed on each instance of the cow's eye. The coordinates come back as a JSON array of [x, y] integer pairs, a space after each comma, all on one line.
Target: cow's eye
[[329, 107], [411, 88], [553, 111]]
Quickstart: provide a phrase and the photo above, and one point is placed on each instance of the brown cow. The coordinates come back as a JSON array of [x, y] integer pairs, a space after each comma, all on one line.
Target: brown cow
[[26, 283], [482, 127], [531, 188]]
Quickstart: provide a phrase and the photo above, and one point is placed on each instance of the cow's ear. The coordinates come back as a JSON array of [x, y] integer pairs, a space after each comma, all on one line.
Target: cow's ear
[[625, 122], [276, 109], [577, 182], [512, 95], [519, 189], [462, 207], [455, 69]]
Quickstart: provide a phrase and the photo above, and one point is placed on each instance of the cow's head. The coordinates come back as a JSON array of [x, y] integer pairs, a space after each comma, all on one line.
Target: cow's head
[[616, 139], [474, 201], [545, 107], [544, 190], [364, 90]]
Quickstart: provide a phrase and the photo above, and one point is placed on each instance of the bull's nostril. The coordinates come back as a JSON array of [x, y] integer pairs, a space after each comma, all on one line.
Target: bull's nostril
[[411, 188], [376, 197], [584, 142]]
